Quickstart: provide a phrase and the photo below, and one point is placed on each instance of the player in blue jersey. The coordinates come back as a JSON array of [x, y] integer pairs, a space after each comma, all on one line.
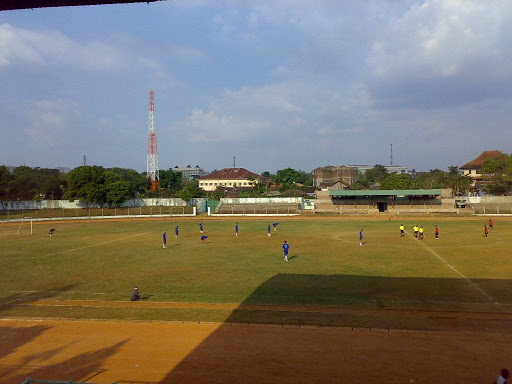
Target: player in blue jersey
[[275, 226], [286, 248], [268, 230], [203, 239], [164, 238], [361, 237], [201, 229], [177, 231], [236, 229]]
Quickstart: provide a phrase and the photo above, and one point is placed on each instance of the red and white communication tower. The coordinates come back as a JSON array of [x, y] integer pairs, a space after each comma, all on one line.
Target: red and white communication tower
[[152, 166]]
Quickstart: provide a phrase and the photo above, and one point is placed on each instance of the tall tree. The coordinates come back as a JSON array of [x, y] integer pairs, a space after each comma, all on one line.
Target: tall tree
[[171, 180], [5, 181], [494, 172], [395, 181], [117, 190], [86, 183]]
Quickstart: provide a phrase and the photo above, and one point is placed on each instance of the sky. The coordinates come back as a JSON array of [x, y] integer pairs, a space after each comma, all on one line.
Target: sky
[[281, 83]]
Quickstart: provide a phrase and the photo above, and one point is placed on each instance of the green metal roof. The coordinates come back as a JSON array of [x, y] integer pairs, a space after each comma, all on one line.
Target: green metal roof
[[388, 192]]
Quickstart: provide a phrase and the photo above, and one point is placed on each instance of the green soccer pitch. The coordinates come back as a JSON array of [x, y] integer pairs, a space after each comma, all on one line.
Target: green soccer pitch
[[100, 261]]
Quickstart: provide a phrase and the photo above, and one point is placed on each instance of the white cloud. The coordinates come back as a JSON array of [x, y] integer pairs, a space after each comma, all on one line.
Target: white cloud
[[440, 53], [51, 122], [274, 112], [42, 48]]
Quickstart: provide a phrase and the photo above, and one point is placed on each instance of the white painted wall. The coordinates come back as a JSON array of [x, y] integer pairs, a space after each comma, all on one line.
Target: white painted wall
[[489, 199], [262, 200], [76, 204]]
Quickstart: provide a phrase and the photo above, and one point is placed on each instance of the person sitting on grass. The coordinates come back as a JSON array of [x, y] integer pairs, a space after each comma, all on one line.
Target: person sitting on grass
[[503, 379], [135, 295]]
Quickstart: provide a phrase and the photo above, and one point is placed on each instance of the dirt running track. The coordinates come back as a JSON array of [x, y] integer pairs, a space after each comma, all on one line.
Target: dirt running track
[[123, 352]]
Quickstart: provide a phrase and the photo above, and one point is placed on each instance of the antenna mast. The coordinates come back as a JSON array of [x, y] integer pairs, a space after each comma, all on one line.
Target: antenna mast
[[152, 161], [234, 161], [391, 157]]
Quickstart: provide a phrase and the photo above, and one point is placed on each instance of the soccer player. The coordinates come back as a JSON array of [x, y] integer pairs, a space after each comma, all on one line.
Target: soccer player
[[402, 229], [177, 231], [415, 229], [201, 229], [436, 232], [268, 230], [286, 248], [236, 229], [361, 237], [421, 232], [275, 226], [52, 230], [486, 230], [203, 239], [164, 239], [491, 224]]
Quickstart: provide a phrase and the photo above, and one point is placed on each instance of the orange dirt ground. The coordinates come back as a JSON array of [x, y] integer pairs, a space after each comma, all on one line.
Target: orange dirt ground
[[144, 352]]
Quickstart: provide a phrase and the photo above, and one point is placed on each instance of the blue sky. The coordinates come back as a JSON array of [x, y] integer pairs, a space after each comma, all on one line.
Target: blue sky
[[277, 84]]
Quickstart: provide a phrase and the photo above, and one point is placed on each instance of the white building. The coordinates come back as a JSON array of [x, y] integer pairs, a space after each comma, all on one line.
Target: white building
[[191, 172], [229, 178], [398, 169]]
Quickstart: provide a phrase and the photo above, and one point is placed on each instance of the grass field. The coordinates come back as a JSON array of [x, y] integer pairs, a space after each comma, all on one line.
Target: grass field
[[87, 268]]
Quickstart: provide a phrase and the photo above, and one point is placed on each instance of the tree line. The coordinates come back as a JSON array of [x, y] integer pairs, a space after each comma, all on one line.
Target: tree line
[[379, 178], [113, 186]]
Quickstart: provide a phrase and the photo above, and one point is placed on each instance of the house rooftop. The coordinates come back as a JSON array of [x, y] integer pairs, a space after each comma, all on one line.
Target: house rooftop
[[479, 161], [231, 174]]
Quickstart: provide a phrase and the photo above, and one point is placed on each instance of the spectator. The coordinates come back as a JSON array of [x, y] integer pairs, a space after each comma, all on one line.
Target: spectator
[[135, 295], [503, 379]]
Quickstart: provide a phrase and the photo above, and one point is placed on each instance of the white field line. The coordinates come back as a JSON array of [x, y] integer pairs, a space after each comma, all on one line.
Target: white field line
[[456, 270], [95, 245]]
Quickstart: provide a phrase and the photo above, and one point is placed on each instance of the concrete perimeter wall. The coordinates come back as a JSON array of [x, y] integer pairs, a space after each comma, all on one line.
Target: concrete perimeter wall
[[262, 200], [76, 204], [489, 199]]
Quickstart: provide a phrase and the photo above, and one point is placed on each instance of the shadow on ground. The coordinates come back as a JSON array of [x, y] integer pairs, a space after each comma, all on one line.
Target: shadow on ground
[[250, 353], [80, 368], [14, 299]]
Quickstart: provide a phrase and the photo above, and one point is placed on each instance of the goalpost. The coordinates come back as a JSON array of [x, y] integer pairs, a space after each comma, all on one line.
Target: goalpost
[[26, 219]]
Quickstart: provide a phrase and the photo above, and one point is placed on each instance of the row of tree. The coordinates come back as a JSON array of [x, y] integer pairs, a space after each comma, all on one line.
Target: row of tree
[[497, 173], [113, 186], [379, 177]]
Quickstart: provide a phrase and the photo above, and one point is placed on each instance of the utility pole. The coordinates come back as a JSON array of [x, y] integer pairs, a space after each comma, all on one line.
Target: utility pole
[[391, 158], [84, 160]]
